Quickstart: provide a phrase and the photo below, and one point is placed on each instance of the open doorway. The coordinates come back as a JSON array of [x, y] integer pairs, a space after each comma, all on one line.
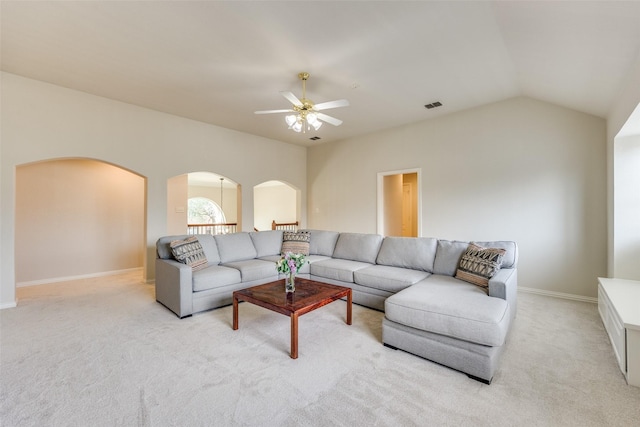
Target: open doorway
[[399, 203], [78, 218], [275, 201]]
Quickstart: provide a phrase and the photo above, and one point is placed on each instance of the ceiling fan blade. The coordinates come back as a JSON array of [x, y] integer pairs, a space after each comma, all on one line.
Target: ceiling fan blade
[[292, 98], [329, 119], [273, 111], [331, 104]]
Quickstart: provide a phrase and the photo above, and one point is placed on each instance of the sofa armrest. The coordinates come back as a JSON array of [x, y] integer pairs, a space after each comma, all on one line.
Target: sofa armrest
[[174, 286], [505, 285]]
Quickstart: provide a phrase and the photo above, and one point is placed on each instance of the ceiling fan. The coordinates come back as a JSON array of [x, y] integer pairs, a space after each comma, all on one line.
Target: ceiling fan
[[306, 114]]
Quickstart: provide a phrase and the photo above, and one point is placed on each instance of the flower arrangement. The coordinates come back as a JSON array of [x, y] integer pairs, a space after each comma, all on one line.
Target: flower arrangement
[[290, 264]]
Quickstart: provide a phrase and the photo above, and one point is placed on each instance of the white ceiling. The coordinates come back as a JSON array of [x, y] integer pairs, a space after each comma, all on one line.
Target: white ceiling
[[219, 61]]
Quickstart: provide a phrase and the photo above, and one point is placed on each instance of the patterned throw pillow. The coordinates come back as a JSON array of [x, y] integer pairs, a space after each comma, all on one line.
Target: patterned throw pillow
[[478, 265], [296, 242], [189, 251]]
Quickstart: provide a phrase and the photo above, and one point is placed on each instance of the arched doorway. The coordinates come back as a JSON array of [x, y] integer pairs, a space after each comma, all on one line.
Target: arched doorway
[[219, 193], [77, 218], [275, 201]]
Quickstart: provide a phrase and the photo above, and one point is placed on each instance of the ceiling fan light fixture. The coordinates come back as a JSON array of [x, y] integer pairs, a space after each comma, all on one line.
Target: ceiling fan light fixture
[[312, 118], [297, 126], [306, 115], [290, 119]]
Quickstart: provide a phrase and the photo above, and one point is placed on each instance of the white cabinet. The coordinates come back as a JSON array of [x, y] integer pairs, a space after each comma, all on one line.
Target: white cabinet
[[619, 307]]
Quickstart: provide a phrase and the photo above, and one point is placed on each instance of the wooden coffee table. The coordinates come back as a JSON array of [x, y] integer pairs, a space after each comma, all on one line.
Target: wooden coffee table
[[308, 296]]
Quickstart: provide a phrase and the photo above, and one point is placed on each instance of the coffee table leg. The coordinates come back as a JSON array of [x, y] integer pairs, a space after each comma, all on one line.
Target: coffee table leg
[[294, 335], [235, 313], [349, 300]]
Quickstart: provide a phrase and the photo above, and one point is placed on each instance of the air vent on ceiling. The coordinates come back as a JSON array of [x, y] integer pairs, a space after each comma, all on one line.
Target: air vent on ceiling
[[433, 105], [314, 138]]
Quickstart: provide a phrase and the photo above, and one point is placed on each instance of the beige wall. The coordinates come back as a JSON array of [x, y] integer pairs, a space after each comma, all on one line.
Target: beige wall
[[177, 189], [519, 170], [41, 121], [76, 217]]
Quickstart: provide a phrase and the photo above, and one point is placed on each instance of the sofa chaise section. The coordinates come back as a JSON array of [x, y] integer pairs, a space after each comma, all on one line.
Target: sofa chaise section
[[453, 322]]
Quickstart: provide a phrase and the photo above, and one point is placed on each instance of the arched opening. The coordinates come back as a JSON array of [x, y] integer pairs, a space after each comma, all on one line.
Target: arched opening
[[202, 203], [275, 201], [77, 218]]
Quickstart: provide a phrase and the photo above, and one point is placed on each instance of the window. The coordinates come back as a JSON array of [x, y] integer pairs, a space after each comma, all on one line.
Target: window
[[204, 211]]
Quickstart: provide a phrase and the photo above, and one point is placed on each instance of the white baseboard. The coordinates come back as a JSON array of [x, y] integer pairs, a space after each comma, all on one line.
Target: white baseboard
[[558, 295], [8, 305], [79, 277]]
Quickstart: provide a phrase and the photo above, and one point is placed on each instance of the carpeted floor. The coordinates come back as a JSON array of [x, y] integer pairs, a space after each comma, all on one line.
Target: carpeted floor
[[102, 352]]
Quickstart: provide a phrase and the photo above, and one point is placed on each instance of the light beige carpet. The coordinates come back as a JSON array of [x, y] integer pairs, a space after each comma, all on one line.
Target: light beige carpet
[[102, 352]]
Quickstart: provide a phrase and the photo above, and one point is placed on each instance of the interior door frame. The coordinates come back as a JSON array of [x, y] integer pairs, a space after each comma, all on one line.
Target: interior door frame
[[380, 197]]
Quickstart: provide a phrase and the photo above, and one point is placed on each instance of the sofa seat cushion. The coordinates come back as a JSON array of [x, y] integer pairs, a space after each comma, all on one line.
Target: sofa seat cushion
[[254, 269], [271, 258], [386, 278], [306, 268], [448, 306], [214, 276], [337, 269]]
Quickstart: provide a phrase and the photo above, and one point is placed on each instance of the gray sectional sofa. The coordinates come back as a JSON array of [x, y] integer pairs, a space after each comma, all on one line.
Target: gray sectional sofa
[[428, 312]]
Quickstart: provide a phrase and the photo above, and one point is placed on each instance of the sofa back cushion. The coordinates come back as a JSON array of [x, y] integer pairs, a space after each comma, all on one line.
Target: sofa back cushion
[[449, 253], [267, 242], [448, 256], [235, 247], [416, 253], [322, 242], [163, 249], [358, 247]]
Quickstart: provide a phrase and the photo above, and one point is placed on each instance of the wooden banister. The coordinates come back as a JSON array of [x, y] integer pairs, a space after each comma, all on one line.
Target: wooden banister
[[287, 226]]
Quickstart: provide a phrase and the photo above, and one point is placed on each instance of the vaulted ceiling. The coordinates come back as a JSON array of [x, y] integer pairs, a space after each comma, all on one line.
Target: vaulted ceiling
[[219, 61]]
